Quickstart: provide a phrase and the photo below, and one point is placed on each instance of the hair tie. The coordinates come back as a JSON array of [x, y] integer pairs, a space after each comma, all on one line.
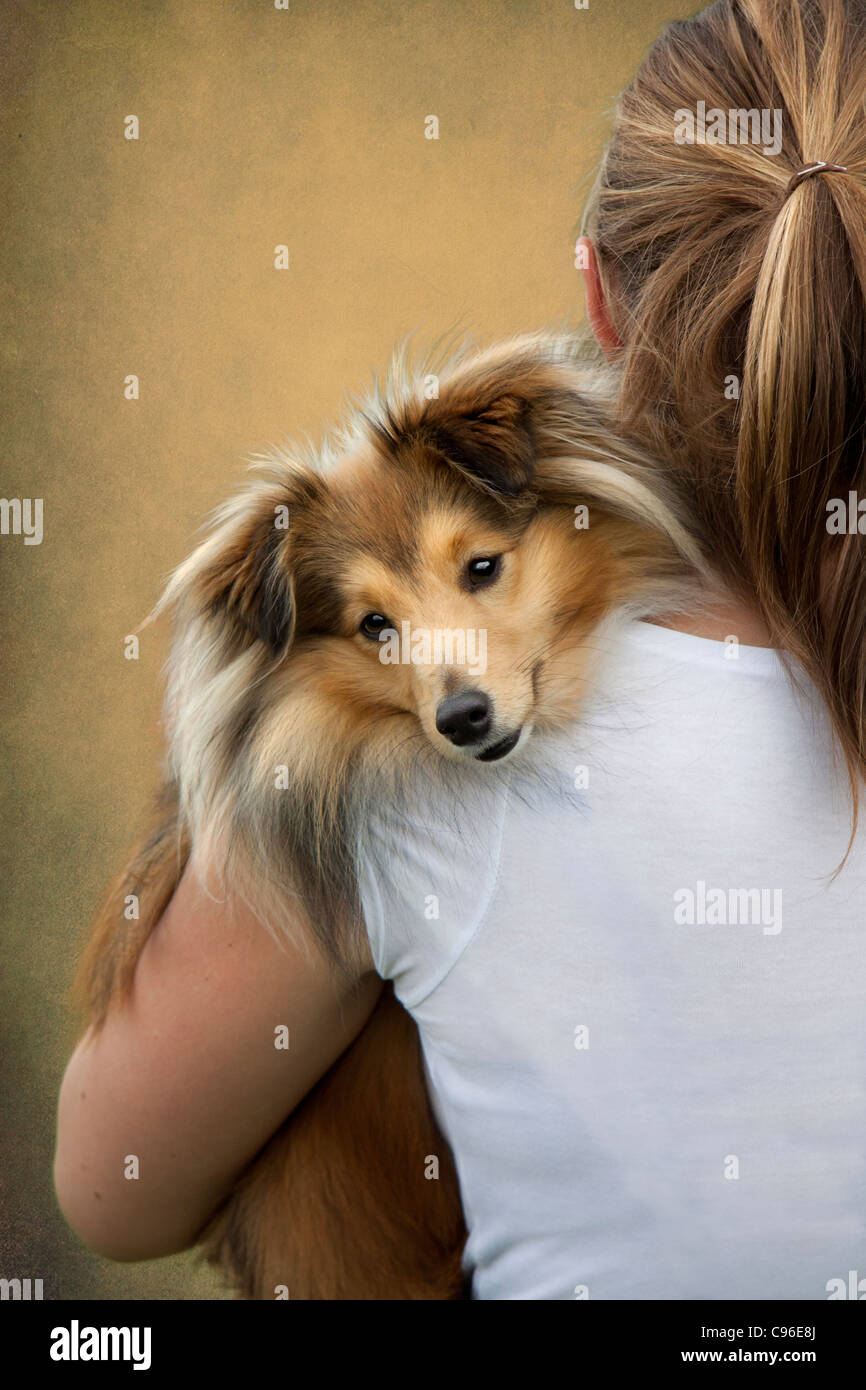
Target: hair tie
[[819, 167]]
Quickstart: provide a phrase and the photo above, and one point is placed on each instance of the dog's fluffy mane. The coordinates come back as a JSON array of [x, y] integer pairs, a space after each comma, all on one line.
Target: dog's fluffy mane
[[528, 423]]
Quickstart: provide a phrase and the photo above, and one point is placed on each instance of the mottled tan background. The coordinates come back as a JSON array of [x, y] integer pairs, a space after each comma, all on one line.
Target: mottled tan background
[[155, 257]]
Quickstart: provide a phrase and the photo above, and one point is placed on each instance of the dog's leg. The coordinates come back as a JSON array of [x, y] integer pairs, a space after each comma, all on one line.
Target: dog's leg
[[339, 1204]]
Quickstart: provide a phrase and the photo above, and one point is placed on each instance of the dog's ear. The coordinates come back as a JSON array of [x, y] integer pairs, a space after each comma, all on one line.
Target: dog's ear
[[491, 444], [242, 574], [251, 585]]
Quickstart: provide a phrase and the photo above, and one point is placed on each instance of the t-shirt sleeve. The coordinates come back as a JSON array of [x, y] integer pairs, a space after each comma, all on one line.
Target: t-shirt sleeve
[[426, 879]]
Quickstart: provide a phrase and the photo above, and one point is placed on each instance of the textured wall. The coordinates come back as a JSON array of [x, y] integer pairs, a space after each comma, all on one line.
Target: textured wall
[[156, 257]]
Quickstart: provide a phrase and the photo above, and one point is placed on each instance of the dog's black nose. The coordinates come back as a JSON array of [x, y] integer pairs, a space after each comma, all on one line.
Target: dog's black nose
[[464, 718]]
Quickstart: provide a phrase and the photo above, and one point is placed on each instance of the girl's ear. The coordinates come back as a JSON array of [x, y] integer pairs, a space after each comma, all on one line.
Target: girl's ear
[[598, 311]]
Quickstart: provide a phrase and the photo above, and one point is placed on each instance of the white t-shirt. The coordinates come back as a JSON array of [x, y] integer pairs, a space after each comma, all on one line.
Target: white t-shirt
[[641, 997]]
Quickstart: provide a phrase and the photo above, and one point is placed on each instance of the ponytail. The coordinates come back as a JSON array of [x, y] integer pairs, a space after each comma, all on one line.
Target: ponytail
[[741, 301]]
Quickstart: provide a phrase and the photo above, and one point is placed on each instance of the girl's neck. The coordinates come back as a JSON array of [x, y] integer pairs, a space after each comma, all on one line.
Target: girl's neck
[[722, 616]]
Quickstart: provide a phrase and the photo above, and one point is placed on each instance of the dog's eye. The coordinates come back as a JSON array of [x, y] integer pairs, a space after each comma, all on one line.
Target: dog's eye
[[483, 570], [373, 625]]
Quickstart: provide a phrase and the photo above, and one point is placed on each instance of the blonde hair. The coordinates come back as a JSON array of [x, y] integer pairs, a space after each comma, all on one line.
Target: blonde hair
[[721, 282]]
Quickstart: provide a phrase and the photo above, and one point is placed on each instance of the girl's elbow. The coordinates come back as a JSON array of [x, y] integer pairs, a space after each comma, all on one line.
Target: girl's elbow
[[121, 1236]]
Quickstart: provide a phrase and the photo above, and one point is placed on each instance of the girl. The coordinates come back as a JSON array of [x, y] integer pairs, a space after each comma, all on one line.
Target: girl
[[643, 1019]]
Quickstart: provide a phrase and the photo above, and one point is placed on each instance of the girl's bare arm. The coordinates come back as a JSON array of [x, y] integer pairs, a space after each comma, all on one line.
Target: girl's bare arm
[[183, 1084]]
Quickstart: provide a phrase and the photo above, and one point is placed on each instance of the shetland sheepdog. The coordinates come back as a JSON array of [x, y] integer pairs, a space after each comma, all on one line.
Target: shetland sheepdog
[[492, 497]]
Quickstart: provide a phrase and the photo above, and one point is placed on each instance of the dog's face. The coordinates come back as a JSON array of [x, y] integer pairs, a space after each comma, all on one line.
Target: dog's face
[[438, 590]]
